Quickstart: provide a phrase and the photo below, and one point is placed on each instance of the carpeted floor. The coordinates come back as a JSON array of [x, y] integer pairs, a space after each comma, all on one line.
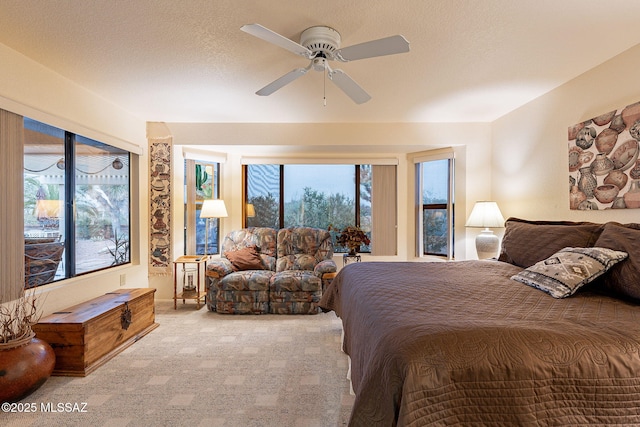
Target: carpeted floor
[[204, 369]]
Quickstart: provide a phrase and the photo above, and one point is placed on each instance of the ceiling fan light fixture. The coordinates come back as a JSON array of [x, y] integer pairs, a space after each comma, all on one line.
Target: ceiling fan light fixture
[[319, 64]]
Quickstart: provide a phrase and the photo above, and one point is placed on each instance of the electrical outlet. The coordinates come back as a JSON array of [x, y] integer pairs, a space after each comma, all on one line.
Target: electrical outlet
[[123, 279]]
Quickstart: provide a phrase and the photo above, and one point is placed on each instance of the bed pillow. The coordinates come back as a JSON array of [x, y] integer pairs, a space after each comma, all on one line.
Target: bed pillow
[[246, 258], [623, 279], [528, 242], [563, 273]]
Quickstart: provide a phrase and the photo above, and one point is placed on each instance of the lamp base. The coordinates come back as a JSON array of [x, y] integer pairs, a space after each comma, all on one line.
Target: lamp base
[[487, 244], [206, 236]]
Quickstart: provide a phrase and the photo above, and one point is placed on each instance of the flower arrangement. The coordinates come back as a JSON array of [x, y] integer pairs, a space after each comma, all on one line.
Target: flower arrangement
[[351, 237]]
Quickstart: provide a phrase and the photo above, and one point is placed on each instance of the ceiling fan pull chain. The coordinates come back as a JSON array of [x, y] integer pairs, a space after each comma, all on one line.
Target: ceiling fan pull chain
[[324, 85]]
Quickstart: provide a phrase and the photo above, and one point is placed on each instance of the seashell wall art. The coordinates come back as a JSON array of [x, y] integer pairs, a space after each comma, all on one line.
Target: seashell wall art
[[604, 169]]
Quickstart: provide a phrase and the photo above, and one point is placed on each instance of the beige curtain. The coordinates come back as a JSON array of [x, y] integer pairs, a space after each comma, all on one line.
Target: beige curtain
[[384, 210], [11, 206]]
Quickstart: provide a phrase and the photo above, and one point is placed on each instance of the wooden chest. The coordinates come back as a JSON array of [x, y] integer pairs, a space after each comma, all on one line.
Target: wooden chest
[[87, 335]]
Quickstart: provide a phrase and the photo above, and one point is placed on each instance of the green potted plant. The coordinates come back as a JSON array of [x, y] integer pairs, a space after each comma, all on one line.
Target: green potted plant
[[26, 362]]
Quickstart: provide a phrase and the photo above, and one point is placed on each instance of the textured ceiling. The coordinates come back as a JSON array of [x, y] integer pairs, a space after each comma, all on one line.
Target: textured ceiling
[[188, 61]]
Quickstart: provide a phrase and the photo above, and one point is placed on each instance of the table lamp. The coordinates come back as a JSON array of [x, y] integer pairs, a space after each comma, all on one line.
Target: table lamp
[[486, 215], [212, 208]]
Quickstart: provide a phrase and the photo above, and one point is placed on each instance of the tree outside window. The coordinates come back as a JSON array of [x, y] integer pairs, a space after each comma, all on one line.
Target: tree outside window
[[437, 207], [316, 196]]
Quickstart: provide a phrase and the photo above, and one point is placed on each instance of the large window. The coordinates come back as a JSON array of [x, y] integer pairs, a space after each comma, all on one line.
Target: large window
[[435, 181], [76, 204], [309, 195], [202, 181]]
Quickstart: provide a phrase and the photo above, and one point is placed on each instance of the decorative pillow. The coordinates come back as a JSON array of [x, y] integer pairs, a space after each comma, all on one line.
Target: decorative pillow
[[563, 273], [246, 258], [624, 278], [527, 242]]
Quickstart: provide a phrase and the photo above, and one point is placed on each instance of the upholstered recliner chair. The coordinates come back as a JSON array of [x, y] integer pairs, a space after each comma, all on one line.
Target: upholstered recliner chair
[[304, 259], [251, 276], [238, 282]]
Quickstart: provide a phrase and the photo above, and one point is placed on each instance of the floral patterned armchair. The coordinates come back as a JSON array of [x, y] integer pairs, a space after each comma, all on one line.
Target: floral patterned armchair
[[242, 288], [304, 260], [263, 270]]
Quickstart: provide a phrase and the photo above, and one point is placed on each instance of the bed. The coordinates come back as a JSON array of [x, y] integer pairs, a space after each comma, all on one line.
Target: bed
[[445, 343]]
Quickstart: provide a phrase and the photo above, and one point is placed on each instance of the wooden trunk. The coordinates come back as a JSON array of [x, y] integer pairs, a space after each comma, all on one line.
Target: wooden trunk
[[87, 335]]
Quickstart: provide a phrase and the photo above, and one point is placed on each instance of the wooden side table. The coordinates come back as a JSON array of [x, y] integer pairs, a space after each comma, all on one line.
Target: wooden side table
[[327, 278], [199, 292]]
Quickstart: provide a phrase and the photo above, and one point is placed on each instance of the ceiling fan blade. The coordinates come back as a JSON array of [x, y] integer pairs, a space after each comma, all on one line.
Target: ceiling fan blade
[[282, 81], [269, 36], [349, 87], [381, 47]]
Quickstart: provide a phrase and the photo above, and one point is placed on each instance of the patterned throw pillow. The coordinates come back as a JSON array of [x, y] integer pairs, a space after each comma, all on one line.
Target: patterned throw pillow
[[564, 272]]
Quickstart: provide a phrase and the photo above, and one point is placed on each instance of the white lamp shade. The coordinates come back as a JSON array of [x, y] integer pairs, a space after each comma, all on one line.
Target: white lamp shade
[[213, 208], [486, 215], [251, 210]]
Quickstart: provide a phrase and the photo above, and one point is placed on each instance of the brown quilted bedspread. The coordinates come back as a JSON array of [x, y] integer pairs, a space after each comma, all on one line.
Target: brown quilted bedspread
[[460, 343]]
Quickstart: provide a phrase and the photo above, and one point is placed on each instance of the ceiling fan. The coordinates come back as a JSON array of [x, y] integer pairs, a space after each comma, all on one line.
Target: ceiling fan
[[321, 44]]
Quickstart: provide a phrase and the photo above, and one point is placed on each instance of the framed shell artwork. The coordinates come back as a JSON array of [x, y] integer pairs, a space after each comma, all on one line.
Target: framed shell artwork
[[604, 170]]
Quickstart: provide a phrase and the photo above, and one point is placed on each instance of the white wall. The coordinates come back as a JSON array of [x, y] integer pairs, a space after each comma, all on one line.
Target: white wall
[[27, 88], [530, 145]]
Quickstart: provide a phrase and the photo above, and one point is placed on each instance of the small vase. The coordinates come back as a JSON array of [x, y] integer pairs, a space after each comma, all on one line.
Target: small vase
[[576, 196], [587, 181], [606, 140], [25, 365], [617, 178], [588, 205], [352, 251], [606, 193], [618, 203], [602, 165], [635, 171], [632, 197], [585, 137]]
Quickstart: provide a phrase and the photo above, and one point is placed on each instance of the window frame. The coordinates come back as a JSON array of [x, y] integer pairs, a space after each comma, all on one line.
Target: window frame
[[192, 206], [281, 194], [422, 207], [70, 141]]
